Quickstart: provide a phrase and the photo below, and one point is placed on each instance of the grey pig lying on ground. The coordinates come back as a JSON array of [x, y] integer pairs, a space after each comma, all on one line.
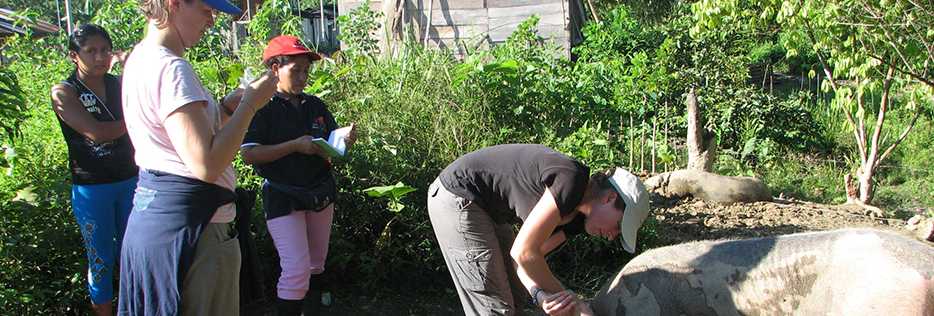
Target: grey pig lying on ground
[[841, 272], [708, 186]]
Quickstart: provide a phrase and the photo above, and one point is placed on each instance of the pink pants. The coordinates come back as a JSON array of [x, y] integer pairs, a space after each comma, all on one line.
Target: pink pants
[[302, 241]]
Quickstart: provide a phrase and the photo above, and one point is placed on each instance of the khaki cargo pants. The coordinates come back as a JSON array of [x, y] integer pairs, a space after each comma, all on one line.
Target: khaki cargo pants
[[476, 251], [212, 285]]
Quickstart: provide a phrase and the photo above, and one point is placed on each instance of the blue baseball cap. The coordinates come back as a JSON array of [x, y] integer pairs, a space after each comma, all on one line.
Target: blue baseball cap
[[224, 6]]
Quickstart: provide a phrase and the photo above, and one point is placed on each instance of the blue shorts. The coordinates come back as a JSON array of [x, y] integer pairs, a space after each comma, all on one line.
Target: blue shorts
[[102, 211]]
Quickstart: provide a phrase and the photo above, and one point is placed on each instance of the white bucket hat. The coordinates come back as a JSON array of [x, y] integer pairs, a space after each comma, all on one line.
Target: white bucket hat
[[633, 192]]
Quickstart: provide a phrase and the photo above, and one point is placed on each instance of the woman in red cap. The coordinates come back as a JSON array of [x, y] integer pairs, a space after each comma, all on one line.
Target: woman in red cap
[[180, 253], [299, 189]]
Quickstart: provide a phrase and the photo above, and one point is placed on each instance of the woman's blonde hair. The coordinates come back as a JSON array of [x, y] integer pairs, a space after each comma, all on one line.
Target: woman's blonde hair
[[156, 10]]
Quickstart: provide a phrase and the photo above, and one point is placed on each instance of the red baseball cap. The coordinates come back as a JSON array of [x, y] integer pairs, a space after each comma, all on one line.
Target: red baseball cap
[[287, 45]]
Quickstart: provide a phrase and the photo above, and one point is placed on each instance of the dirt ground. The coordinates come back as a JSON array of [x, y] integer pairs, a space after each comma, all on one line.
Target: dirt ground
[[687, 220], [678, 221]]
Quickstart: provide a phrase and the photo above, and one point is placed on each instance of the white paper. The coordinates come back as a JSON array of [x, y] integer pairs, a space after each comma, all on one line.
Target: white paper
[[247, 77], [338, 139], [336, 144]]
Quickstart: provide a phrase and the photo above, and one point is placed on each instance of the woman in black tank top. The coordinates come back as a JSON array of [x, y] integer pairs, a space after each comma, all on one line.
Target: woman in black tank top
[[100, 156]]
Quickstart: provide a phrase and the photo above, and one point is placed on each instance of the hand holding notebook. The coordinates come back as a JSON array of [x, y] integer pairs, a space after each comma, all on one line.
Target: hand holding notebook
[[336, 144]]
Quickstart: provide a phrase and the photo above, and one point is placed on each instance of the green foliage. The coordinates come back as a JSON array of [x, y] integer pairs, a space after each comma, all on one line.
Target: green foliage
[[45, 10], [420, 110], [41, 256], [123, 21], [393, 192], [12, 105], [591, 146], [617, 35], [357, 29], [751, 115], [275, 17], [876, 47]]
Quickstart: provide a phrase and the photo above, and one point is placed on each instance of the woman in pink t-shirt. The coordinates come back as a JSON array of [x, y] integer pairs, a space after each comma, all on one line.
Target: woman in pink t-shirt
[[181, 255]]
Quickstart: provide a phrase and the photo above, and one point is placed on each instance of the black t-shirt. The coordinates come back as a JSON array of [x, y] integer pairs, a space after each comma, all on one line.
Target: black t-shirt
[[98, 163], [281, 121], [508, 180]]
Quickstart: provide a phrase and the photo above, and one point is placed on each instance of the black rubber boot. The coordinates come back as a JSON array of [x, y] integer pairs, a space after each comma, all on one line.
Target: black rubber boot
[[312, 304], [288, 307]]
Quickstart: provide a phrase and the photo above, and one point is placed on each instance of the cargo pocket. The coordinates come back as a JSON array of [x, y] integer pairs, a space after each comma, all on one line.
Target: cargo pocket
[[473, 266], [229, 249]]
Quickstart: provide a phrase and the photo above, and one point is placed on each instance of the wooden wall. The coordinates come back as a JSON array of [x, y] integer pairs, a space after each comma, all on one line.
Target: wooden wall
[[471, 24]]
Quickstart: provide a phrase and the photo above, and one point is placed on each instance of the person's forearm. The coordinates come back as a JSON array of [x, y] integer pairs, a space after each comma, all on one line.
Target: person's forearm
[[226, 143], [229, 104], [533, 270], [259, 154], [207, 154]]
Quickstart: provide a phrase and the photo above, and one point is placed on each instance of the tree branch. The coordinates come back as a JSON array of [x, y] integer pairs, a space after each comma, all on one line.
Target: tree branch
[[900, 138], [860, 140], [860, 131], [820, 57], [593, 11], [880, 118], [891, 42], [919, 7], [927, 81]]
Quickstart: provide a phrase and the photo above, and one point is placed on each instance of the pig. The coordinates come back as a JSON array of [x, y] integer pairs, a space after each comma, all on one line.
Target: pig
[[857, 271], [709, 187]]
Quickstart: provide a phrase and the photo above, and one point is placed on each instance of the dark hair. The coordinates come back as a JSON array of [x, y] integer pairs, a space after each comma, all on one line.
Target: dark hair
[[600, 183], [83, 32], [283, 60]]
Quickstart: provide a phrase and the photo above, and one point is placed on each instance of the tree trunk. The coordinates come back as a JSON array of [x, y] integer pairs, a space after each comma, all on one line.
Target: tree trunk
[[701, 145], [654, 141], [632, 146], [863, 191], [667, 143], [866, 186], [642, 146]]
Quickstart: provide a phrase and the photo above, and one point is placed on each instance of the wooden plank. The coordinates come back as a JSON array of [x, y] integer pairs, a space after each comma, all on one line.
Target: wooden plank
[[542, 9], [560, 41], [518, 3], [546, 31], [344, 7], [453, 17], [458, 31], [565, 49], [450, 45], [446, 4], [512, 21]]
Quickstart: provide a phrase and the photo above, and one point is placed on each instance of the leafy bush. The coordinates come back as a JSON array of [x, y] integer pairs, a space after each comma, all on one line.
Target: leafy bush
[[41, 258], [358, 28], [12, 105]]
